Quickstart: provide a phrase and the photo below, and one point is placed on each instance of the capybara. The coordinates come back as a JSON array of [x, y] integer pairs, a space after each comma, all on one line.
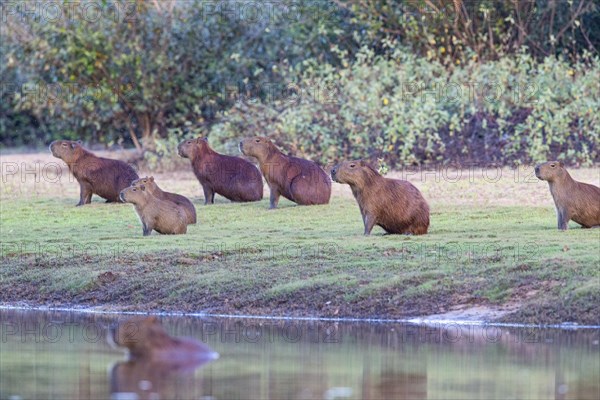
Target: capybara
[[232, 177], [147, 340], [573, 200], [163, 216], [395, 205], [96, 175], [299, 180], [152, 187]]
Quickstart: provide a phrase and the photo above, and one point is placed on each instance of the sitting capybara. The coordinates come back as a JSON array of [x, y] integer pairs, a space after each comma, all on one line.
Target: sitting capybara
[[152, 187], [96, 175], [395, 205], [573, 200], [147, 340], [163, 216], [232, 177], [299, 180]]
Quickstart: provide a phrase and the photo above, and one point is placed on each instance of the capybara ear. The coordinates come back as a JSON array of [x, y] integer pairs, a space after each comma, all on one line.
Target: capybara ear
[[561, 164], [75, 144], [151, 179], [201, 139], [368, 163]]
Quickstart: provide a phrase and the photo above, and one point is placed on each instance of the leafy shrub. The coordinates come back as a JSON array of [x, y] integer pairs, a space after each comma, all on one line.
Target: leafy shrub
[[409, 110]]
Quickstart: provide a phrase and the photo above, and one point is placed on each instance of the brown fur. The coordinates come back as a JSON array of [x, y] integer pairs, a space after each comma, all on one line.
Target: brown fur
[[395, 205], [574, 200], [96, 175], [301, 181], [152, 187], [147, 340], [163, 216], [232, 177]]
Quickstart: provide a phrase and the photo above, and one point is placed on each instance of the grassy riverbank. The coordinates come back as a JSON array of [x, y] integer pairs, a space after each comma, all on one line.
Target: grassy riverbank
[[492, 244]]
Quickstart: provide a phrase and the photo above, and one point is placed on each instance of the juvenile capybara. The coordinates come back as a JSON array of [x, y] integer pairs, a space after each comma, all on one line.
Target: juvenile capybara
[[299, 180], [395, 205], [147, 340], [163, 216], [96, 175], [232, 177], [152, 187], [573, 200]]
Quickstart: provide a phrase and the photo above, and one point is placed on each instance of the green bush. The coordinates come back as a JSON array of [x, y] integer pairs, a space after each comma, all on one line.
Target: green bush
[[411, 111]]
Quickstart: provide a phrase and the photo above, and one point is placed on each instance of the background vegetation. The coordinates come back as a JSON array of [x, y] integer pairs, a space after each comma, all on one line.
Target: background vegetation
[[413, 82]]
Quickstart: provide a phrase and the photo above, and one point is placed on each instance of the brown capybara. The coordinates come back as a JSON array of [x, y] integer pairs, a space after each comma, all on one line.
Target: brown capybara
[[163, 216], [147, 340], [152, 187], [96, 175], [299, 180], [573, 200], [232, 177], [395, 205]]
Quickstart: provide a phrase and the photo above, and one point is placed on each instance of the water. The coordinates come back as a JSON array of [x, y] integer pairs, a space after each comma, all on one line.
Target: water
[[63, 355]]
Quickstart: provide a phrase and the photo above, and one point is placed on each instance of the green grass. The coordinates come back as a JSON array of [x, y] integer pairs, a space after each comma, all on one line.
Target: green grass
[[244, 258]]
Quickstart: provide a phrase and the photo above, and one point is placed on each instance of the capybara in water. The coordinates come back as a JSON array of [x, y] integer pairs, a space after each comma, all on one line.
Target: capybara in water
[[573, 200], [163, 216], [96, 175], [232, 177], [152, 187], [395, 205], [147, 340], [299, 180]]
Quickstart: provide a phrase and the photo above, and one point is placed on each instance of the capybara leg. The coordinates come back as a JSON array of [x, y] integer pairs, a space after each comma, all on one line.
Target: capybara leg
[[563, 219], [209, 195], [301, 191], [274, 199], [85, 194], [369, 223], [147, 230]]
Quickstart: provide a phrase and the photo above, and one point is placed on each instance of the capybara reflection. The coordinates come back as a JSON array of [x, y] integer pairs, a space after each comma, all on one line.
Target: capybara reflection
[[163, 216], [232, 177], [147, 340], [574, 200], [152, 187], [301, 181], [159, 365], [395, 205], [96, 175], [142, 380]]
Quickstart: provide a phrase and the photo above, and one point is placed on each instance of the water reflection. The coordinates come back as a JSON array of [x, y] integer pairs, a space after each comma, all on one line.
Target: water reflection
[[45, 355], [150, 380], [158, 363]]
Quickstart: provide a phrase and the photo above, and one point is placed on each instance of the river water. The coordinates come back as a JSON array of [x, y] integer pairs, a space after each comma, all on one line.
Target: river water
[[65, 355]]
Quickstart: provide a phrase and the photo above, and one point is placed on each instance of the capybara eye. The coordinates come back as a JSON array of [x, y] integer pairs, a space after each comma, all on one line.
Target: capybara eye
[[189, 142], [64, 145], [134, 190], [257, 140], [352, 165], [553, 165]]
